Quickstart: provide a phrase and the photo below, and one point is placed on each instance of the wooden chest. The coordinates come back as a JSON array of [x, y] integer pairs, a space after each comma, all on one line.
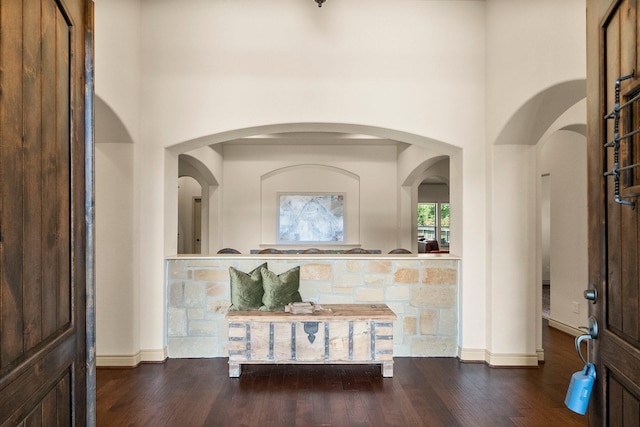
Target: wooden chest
[[343, 333]]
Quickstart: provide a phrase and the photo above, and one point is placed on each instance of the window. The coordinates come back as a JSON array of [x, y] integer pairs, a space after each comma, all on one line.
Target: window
[[434, 222]]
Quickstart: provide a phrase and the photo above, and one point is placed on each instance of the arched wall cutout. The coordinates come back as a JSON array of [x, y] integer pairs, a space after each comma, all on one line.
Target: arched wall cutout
[[187, 165], [529, 123], [386, 133], [309, 166], [108, 126]]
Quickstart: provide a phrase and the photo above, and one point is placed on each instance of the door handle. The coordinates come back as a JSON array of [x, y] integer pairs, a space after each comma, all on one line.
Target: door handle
[[592, 334], [591, 295]]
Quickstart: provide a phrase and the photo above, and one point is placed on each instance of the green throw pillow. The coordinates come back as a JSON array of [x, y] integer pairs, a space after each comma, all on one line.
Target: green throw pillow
[[281, 289], [246, 289]]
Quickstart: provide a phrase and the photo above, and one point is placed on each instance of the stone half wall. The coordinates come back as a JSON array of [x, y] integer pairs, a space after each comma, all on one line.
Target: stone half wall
[[422, 291]]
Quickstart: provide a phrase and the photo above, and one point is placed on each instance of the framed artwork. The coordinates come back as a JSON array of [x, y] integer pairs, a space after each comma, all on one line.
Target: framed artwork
[[310, 218]]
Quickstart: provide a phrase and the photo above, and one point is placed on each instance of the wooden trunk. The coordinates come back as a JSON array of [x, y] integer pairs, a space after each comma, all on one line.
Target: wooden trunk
[[342, 333]]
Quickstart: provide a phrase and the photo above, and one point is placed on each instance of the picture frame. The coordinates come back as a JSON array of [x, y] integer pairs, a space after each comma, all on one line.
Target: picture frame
[[305, 218]]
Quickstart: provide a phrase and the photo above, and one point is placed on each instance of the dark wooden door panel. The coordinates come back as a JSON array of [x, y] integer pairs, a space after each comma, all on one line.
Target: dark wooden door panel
[[42, 211], [30, 383], [614, 228], [35, 254]]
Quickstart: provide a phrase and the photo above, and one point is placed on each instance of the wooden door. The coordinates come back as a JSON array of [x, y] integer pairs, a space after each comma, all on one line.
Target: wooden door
[[42, 212], [614, 225]]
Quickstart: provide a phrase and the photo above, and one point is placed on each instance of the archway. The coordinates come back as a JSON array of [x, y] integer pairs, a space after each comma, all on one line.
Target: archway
[[203, 198], [430, 150], [558, 107]]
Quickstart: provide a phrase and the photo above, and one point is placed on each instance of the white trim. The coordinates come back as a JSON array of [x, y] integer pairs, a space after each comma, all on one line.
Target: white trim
[[472, 354], [515, 360], [131, 361], [565, 328], [498, 360]]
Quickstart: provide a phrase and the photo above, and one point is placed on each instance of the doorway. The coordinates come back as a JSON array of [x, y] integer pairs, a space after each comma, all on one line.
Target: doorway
[[197, 225], [189, 216]]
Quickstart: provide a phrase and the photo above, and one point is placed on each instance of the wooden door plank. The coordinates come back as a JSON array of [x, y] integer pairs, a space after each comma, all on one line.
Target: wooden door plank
[[11, 318], [629, 223], [613, 70], [32, 253], [63, 141], [49, 170]]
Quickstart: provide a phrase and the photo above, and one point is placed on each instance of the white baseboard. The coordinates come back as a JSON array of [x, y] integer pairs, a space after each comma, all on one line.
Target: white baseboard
[[131, 361], [500, 360], [512, 360], [565, 328], [540, 353], [471, 355]]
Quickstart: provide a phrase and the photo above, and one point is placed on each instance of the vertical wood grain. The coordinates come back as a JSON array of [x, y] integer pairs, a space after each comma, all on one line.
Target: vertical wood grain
[[11, 320], [32, 253]]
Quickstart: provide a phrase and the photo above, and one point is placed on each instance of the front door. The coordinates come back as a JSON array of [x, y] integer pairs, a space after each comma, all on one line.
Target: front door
[[42, 212], [614, 208]]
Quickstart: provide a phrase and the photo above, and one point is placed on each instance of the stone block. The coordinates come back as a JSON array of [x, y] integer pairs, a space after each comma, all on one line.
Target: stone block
[[176, 322], [324, 287], [206, 328], [406, 275], [211, 263], [347, 280], [335, 299], [429, 322], [216, 306], [377, 266], [401, 350], [315, 272], [374, 280], [176, 294], [396, 307], [354, 265], [448, 324], [192, 347], [434, 296], [194, 294], [434, 347], [369, 295], [397, 293], [218, 290], [440, 276], [409, 325], [211, 275], [179, 270], [342, 290], [195, 313]]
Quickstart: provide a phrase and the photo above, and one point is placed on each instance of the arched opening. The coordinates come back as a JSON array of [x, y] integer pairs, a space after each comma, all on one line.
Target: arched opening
[[299, 146], [189, 216], [560, 107], [196, 205]]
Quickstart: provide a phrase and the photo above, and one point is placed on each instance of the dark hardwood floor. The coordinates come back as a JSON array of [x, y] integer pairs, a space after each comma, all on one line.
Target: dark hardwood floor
[[423, 392]]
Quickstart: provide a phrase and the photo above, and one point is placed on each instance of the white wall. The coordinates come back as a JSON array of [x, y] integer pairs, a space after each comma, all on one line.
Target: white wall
[[564, 157], [531, 46], [443, 76], [117, 323], [250, 194], [431, 193]]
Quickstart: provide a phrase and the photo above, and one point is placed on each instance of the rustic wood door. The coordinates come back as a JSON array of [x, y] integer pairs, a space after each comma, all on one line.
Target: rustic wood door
[[42, 212], [614, 209]]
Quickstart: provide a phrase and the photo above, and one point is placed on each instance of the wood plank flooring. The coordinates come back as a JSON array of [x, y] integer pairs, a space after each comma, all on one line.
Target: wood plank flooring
[[423, 392]]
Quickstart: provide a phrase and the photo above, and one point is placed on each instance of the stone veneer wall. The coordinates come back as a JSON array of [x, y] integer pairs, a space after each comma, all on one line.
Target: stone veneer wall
[[422, 291]]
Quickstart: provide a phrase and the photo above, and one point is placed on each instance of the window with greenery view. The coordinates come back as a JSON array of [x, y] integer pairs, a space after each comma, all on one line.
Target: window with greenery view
[[434, 222]]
